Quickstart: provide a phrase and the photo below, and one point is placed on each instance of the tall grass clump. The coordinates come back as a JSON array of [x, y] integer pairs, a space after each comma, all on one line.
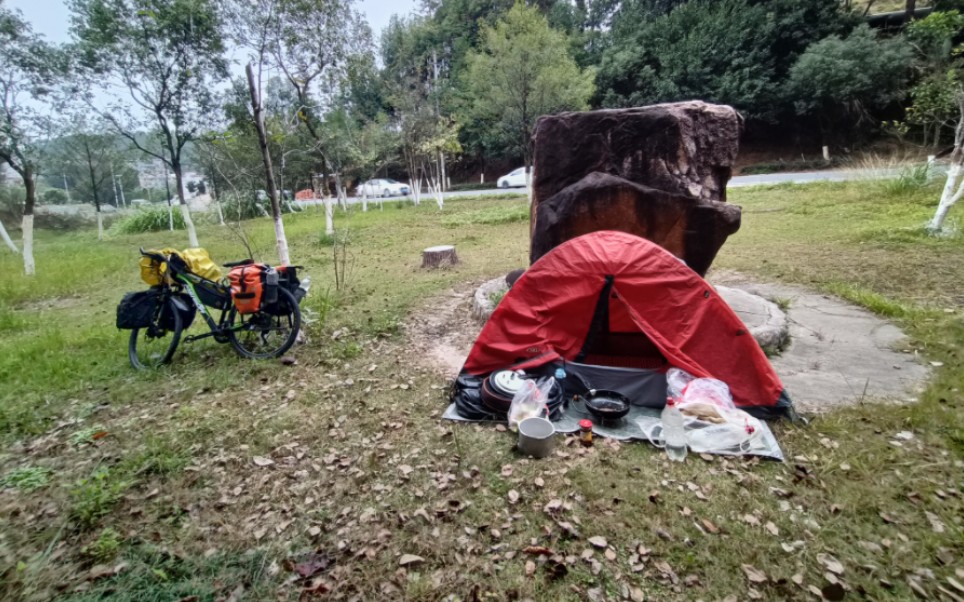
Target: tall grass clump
[[910, 178], [149, 220]]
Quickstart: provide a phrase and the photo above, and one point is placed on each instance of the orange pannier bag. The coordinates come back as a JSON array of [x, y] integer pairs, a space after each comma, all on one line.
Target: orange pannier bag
[[247, 286]]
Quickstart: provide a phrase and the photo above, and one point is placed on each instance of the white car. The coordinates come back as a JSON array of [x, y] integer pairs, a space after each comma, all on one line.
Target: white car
[[514, 179], [382, 187]]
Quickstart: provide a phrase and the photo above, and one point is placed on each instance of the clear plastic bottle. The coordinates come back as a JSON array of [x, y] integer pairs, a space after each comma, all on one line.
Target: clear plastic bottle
[[673, 432], [303, 289]]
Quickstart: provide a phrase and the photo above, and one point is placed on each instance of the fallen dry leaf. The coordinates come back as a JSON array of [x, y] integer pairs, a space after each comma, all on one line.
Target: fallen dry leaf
[[599, 542], [751, 520], [537, 551], [754, 574], [917, 588], [530, 568], [539, 482], [772, 528], [709, 526], [308, 565], [797, 578], [262, 461], [610, 554], [513, 496], [507, 470], [833, 565], [935, 521], [410, 560]]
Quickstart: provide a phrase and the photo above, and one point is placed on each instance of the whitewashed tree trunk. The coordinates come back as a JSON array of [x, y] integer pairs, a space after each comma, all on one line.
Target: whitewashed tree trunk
[[6, 238], [170, 215], [953, 190], [364, 201], [189, 224], [100, 225], [217, 203], [281, 240], [329, 215], [279, 228], [29, 267], [529, 184], [954, 186], [416, 186], [340, 193]]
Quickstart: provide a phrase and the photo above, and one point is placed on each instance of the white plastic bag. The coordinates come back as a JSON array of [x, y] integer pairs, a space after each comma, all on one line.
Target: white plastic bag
[[686, 389], [737, 433], [530, 400]]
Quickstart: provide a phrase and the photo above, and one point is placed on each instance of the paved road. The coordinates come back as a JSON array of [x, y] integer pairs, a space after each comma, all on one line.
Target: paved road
[[804, 177]]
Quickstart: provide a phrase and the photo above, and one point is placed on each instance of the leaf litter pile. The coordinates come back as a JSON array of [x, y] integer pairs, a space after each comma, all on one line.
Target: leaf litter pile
[[332, 478]]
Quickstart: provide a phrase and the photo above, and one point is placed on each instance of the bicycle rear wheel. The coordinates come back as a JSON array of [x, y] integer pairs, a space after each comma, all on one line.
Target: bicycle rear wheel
[[154, 345], [263, 335]]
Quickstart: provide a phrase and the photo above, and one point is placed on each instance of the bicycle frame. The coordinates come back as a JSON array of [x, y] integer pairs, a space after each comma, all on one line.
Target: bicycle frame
[[218, 328]]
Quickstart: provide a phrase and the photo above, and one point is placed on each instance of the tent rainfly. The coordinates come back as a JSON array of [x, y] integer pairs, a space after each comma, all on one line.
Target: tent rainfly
[[611, 299]]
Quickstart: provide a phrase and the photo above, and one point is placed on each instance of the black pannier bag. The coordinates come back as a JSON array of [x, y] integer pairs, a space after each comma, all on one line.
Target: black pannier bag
[[184, 306], [136, 310]]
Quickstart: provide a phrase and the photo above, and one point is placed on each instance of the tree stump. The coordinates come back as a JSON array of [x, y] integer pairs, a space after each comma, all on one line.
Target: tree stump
[[439, 257]]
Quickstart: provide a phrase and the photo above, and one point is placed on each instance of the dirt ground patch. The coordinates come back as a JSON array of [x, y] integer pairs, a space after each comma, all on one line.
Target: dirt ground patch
[[441, 332]]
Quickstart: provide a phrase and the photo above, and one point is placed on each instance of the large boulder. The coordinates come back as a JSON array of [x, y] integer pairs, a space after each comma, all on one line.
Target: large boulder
[[692, 229], [659, 172]]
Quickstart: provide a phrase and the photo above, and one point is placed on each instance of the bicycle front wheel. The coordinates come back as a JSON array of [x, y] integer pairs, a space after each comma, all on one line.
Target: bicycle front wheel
[[266, 334], [154, 345]]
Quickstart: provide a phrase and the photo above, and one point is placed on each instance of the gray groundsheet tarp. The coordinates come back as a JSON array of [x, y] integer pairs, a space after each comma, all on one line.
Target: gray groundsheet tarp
[[639, 422]]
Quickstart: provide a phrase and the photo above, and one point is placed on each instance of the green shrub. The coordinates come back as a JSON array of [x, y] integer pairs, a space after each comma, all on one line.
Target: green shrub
[[96, 496], [105, 548], [153, 219]]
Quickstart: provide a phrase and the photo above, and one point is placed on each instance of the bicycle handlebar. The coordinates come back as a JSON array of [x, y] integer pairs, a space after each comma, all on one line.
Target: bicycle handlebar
[[156, 256]]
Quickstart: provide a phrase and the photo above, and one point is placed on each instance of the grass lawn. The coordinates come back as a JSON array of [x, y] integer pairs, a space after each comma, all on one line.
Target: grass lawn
[[222, 478]]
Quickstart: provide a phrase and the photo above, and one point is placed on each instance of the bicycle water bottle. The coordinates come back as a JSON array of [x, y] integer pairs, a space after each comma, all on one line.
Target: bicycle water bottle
[[303, 289], [673, 432], [270, 286]]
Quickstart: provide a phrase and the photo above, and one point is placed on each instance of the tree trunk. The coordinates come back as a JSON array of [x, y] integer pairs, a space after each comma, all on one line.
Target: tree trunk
[[909, 9], [954, 186], [340, 192], [953, 190], [185, 210], [329, 215], [29, 267], [279, 227], [6, 238], [100, 225], [443, 175], [528, 165]]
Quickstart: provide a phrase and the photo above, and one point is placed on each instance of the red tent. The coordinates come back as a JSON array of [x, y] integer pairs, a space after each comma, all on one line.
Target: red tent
[[613, 299]]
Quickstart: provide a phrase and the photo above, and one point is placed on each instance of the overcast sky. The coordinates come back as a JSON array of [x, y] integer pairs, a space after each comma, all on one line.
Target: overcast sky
[[50, 17]]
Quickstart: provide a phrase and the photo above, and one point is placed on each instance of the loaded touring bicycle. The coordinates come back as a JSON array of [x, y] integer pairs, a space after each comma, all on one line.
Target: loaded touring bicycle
[[256, 309]]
